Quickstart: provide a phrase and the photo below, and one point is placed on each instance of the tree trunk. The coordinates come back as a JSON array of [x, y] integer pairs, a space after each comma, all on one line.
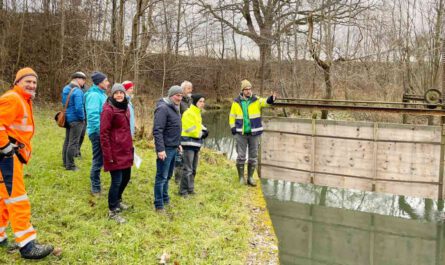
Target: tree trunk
[[114, 36], [120, 43], [178, 29], [62, 29], [265, 69], [328, 90]]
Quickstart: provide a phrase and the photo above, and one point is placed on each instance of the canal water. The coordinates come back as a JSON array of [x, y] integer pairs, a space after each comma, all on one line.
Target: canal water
[[328, 226]]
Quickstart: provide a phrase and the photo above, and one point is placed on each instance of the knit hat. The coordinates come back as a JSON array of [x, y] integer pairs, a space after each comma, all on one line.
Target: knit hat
[[27, 71], [98, 77], [245, 83], [127, 84], [117, 87], [78, 75], [174, 90], [196, 98]]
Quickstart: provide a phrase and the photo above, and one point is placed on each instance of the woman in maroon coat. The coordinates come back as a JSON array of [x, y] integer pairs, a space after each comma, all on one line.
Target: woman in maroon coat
[[117, 148]]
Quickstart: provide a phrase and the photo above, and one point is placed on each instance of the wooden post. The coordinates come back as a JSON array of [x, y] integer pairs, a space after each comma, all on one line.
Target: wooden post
[[374, 154], [313, 150]]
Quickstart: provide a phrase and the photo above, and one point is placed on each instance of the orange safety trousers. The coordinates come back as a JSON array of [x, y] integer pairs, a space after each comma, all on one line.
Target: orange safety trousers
[[14, 202]]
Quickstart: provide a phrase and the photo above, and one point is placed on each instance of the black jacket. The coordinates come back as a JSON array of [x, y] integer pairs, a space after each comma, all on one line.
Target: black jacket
[[186, 102], [167, 125]]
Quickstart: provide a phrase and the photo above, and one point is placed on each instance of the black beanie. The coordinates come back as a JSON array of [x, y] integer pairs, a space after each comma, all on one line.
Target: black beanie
[[196, 98]]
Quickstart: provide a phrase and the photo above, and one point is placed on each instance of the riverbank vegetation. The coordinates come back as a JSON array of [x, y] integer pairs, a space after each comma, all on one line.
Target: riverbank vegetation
[[223, 224]]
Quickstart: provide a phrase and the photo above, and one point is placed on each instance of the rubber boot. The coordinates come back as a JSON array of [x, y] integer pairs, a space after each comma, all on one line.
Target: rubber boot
[[240, 168], [32, 250], [250, 171]]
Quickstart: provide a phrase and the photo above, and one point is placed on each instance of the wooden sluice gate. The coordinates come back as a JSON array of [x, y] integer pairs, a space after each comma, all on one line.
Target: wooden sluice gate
[[402, 159]]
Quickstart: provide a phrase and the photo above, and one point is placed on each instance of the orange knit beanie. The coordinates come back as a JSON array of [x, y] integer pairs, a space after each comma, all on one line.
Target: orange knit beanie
[[27, 71]]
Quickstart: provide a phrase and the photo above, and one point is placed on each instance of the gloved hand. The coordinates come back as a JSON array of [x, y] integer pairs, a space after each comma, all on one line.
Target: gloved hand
[[9, 150], [233, 130], [205, 133]]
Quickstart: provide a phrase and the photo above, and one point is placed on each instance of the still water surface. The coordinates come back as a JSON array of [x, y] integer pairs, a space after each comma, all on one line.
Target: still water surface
[[328, 226]]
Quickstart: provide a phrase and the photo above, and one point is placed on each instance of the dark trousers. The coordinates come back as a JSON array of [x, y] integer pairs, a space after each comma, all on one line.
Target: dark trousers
[[119, 181], [97, 164], [71, 143], [82, 137], [190, 164], [164, 171]]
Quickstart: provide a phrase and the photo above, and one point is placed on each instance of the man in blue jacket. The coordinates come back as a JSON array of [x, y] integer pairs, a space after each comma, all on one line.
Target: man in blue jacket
[[167, 135], [94, 101], [75, 119]]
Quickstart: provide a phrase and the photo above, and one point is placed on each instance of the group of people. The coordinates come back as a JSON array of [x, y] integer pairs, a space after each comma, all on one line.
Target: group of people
[[178, 131], [110, 125]]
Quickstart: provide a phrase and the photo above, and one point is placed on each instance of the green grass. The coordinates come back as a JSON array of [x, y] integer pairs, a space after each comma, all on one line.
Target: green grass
[[209, 228]]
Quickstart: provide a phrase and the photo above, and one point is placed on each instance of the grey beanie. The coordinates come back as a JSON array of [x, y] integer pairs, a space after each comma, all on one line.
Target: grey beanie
[[117, 87], [174, 90]]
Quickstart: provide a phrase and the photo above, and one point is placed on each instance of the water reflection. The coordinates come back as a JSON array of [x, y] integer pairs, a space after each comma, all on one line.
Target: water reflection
[[320, 225], [220, 138]]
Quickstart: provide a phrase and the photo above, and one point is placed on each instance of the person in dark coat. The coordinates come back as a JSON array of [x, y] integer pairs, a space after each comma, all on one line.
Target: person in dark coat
[[117, 147], [167, 134]]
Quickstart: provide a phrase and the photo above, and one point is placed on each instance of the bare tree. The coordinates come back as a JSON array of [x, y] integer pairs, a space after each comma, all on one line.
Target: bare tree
[[260, 17]]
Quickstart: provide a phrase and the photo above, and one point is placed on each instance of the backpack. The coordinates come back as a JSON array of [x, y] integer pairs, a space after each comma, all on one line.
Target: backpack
[[60, 115]]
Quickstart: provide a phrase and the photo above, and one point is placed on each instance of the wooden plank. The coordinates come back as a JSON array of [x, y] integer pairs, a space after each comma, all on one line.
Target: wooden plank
[[285, 174], [342, 156], [408, 132], [343, 182], [286, 150], [348, 129], [409, 162]]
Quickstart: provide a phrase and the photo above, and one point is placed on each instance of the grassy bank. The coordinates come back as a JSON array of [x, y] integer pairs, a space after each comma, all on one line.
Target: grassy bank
[[223, 224]]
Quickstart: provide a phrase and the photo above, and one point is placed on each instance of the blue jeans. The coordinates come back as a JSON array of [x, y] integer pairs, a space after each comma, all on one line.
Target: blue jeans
[[164, 171], [97, 164]]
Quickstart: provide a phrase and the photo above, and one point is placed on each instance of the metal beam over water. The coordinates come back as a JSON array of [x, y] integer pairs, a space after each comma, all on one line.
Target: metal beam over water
[[368, 106]]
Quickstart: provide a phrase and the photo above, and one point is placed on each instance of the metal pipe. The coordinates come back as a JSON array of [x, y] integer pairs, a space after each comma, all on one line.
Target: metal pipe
[[412, 111]]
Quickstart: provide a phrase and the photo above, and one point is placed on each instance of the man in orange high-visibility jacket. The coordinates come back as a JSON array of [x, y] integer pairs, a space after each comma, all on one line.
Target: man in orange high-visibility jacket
[[16, 131]]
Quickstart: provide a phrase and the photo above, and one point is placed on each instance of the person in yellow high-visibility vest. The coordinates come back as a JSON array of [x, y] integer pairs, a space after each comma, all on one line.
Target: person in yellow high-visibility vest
[[246, 126], [16, 131], [192, 136]]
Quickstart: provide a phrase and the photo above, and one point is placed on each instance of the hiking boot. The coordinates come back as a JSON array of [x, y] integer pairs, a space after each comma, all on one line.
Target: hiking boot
[[114, 215], [32, 250], [124, 206], [240, 169], [250, 171]]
